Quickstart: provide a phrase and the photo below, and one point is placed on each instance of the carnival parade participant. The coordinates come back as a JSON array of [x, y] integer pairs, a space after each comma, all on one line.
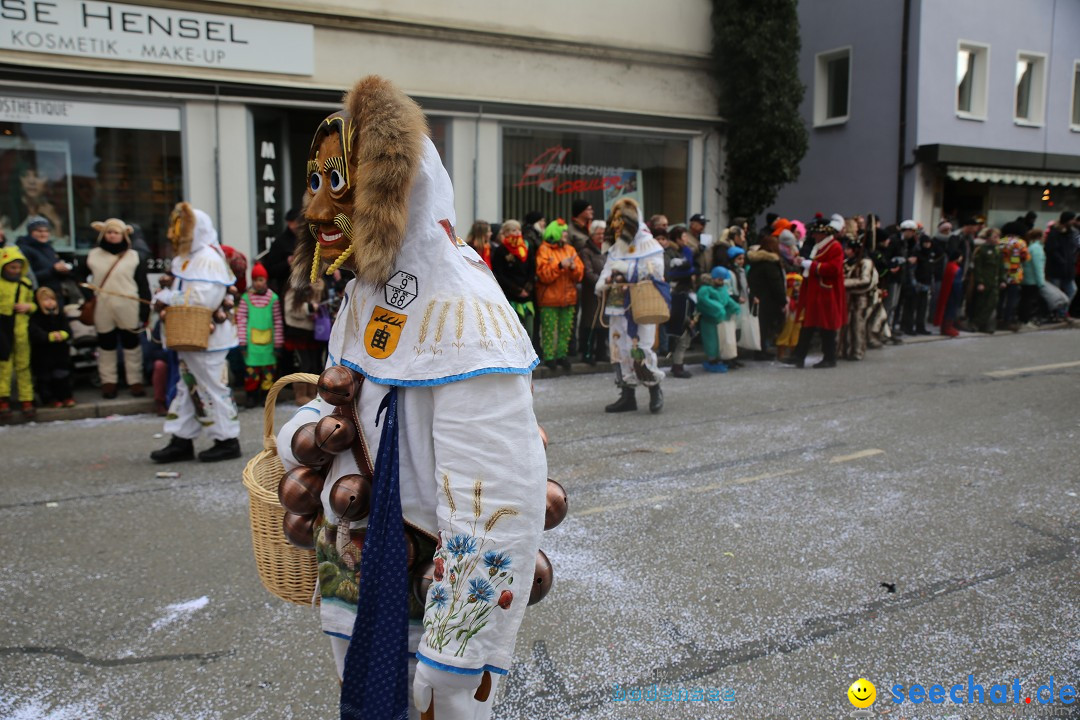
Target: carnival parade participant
[[121, 281], [822, 297], [860, 282], [425, 343], [203, 398], [633, 255]]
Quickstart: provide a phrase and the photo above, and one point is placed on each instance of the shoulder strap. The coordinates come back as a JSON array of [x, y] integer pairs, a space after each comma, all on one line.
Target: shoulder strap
[[113, 267]]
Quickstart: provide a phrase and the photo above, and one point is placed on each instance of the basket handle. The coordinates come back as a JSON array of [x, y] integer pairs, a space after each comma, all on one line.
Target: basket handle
[[269, 442]]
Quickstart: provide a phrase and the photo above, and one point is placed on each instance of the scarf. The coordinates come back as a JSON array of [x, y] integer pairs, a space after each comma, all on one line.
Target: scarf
[[516, 244]]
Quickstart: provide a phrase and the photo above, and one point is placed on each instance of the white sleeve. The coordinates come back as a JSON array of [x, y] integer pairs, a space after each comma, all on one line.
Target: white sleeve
[[491, 502]]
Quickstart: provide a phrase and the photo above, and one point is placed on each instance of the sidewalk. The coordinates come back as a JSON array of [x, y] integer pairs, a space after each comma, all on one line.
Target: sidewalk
[[92, 405]]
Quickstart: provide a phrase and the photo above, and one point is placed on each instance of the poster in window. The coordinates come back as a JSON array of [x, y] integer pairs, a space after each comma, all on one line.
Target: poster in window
[[629, 185], [35, 180]]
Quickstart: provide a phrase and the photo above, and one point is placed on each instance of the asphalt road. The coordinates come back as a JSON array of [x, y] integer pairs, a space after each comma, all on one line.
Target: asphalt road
[[743, 541]]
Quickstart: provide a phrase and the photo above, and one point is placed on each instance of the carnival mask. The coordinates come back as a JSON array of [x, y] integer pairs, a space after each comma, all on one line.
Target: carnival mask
[[181, 230], [329, 193], [360, 171]]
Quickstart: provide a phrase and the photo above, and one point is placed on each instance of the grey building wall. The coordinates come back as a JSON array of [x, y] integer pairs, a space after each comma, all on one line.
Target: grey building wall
[[850, 168], [1008, 27]]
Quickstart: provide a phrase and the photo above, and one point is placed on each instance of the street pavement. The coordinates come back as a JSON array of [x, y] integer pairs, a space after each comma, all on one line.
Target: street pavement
[[772, 536]]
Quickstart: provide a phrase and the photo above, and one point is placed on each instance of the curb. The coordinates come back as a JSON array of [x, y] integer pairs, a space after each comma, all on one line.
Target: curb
[[139, 406]]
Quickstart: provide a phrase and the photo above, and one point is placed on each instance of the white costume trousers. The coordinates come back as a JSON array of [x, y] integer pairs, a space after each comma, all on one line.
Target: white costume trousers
[[622, 345], [203, 398], [454, 705]]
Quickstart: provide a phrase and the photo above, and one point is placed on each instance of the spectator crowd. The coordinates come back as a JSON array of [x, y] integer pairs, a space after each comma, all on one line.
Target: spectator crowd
[[746, 294]]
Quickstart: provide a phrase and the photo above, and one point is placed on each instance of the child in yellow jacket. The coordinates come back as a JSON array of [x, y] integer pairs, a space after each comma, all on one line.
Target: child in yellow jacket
[[16, 306]]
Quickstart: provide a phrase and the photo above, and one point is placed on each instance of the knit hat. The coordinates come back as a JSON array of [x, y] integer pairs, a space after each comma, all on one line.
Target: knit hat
[[532, 217], [836, 222], [734, 251], [780, 225], [579, 206], [720, 273], [909, 225], [37, 221], [554, 231], [259, 271], [788, 238]]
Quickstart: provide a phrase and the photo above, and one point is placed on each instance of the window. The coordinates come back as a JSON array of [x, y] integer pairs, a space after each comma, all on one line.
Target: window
[[546, 169], [972, 61], [1076, 97], [1030, 89], [832, 87], [119, 161]]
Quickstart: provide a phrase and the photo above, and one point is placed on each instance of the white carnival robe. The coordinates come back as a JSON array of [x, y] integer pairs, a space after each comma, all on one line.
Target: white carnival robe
[[472, 466]]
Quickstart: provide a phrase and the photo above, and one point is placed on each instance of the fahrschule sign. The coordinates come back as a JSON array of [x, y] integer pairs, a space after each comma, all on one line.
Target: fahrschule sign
[[143, 34]]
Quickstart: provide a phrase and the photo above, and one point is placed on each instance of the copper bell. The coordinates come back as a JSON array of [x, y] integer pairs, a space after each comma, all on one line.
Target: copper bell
[[306, 450], [299, 490], [542, 577], [421, 582], [556, 504], [350, 497], [336, 385], [335, 433], [299, 530], [543, 435]]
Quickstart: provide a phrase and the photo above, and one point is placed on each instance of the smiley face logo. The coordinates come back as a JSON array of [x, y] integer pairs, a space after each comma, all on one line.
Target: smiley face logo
[[862, 693]]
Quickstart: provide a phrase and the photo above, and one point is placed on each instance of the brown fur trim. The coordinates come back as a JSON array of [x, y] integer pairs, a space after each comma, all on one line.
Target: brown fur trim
[[303, 252], [762, 256], [389, 146], [181, 230]]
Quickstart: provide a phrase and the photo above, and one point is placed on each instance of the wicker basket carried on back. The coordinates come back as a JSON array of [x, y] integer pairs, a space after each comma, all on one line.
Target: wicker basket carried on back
[[187, 327], [286, 571]]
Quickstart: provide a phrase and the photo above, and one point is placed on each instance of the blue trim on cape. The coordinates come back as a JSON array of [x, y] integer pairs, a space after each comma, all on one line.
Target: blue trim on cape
[[456, 670], [212, 282], [437, 381]]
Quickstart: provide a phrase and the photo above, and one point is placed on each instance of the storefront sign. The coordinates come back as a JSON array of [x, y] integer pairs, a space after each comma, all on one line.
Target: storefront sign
[[548, 169], [144, 34], [52, 111], [269, 173]]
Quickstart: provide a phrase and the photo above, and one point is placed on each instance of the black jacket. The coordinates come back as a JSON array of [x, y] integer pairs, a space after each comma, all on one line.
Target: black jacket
[[1061, 254], [276, 261], [47, 355], [767, 284], [513, 274]]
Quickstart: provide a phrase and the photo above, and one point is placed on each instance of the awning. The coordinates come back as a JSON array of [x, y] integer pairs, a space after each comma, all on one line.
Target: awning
[[1012, 177]]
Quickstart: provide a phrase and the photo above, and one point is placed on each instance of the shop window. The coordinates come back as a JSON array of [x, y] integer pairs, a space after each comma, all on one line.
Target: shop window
[[972, 75], [1030, 89], [75, 174], [1076, 97], [832, 87], [547, 169]]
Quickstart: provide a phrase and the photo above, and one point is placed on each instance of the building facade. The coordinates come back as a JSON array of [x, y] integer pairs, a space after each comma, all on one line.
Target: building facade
[[118, 109], [939, 108]]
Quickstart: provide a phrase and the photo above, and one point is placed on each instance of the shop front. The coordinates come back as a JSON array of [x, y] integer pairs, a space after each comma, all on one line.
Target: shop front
[[73, 162]]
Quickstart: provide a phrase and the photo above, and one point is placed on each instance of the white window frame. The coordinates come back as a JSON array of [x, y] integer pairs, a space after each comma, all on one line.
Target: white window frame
[[980, 86], [821, 85], [1074, 123], [1037, 98]]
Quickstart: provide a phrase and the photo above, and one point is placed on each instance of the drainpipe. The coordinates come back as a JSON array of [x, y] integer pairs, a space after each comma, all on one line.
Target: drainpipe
[[902, 152]]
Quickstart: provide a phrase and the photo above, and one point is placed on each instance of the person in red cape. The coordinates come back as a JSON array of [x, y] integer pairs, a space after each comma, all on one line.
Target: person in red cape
[[823, 297], [948, 303]]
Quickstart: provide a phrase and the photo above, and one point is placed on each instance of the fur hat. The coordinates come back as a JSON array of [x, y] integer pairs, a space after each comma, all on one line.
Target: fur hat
[[103, 226], [387, 130]]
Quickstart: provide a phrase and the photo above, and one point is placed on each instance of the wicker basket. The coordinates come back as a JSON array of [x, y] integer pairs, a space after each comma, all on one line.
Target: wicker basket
[[647, 305], [286, 571], [187, 327]]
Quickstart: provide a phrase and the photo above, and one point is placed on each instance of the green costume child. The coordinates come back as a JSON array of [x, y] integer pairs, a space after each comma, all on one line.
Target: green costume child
[[716, 306], [262, 333]]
